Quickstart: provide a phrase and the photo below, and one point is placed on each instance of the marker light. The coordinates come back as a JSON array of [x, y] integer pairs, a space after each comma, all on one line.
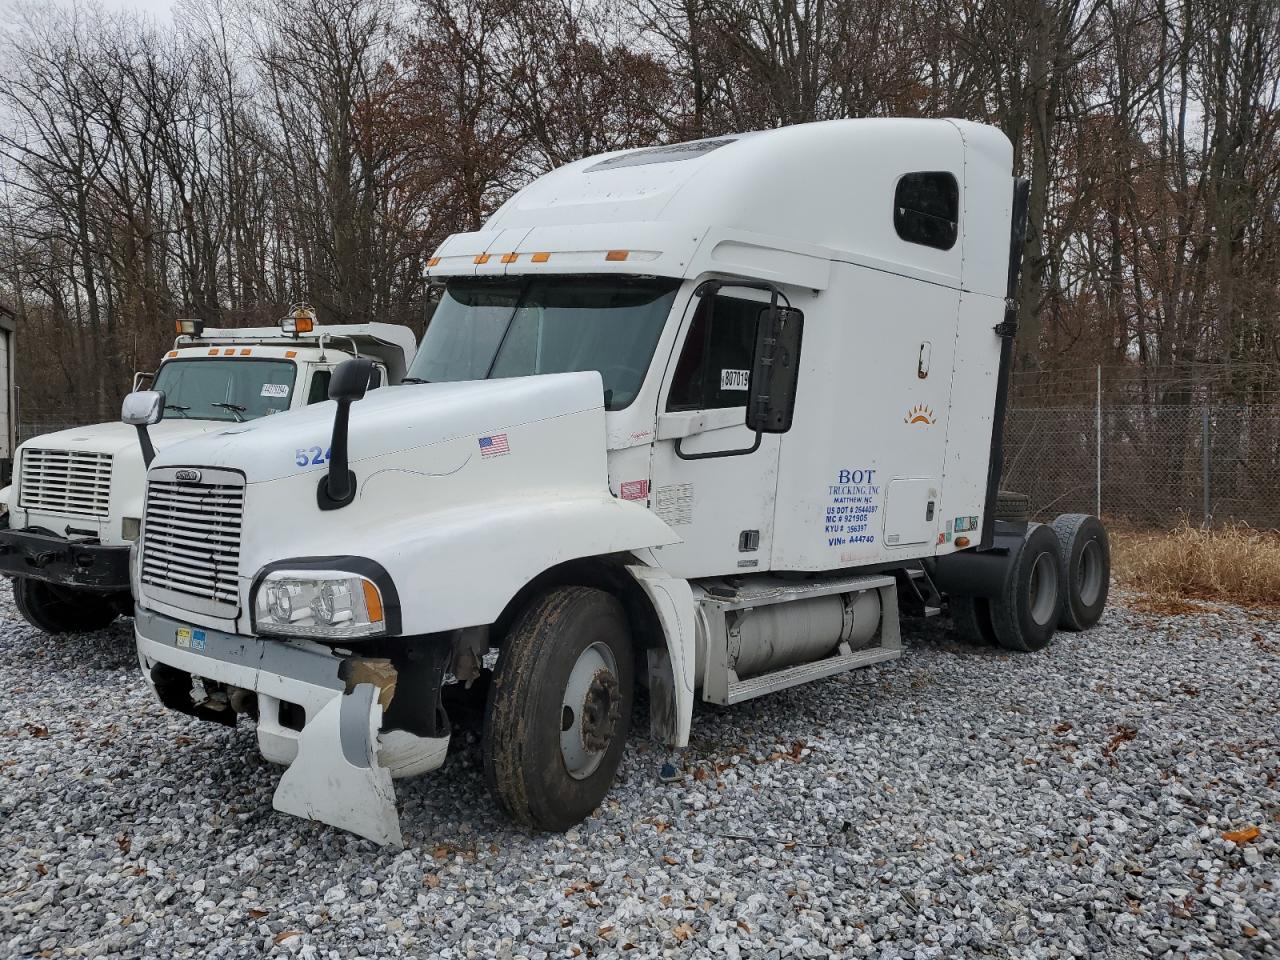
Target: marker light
[[192, 328], [300, 319], [325, 605], [540, 257], [616, 255]]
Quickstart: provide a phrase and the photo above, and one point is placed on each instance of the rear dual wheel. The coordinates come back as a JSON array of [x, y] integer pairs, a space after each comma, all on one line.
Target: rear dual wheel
[[1086, 557], [1024, 616], [559, 708]]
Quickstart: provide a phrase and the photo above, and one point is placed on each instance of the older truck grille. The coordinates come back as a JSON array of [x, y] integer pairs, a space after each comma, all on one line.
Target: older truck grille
[[65, 481], [191, 539]]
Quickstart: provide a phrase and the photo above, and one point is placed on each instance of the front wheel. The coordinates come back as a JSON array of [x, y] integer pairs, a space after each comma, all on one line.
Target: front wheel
[[56, 609], [559, 708]]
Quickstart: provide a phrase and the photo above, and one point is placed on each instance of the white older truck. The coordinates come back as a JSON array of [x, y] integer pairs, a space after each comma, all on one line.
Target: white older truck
[[699, 416], [75, 504]]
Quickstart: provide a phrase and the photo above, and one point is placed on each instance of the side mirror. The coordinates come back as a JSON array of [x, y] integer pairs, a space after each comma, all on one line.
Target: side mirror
[[141, 409], [775, 370], [348, 384]]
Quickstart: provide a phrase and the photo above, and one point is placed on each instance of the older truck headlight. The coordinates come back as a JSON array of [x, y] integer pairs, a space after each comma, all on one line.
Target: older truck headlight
[[324, 605]]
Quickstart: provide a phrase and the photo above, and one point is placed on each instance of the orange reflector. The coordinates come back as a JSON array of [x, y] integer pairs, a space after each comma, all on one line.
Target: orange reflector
[[372, 602], [229, 352], [541, 257], [616, 254], [213, 353], [245, 352], [172, 353], [482, 258], [433, 261], [509, 257], [962, 542], [290, 354]]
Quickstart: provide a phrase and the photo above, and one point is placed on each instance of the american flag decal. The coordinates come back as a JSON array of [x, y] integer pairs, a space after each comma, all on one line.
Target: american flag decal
[[494, 446]]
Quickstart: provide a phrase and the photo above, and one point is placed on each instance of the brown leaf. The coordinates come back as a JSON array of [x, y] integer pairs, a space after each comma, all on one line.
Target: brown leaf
[[683, 931], [1061, 727], [670, 861], [257, 914], [1249, 931], [431, 880], [1122, 734], [699, 773], [126, 919], [284, 935], [1243, 835], [665, 899], [124, 843], [604, 932], [744, 926], [36, 730], [581, 886], [440, 853], [575, 952], [42, 869]]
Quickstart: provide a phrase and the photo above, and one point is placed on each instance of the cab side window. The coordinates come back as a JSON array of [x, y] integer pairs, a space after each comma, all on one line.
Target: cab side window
[[926, 209], [319, 389], [714, 368]]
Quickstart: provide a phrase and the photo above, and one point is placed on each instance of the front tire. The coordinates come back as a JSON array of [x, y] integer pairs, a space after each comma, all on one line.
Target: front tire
[[559, 708], [56, 609]]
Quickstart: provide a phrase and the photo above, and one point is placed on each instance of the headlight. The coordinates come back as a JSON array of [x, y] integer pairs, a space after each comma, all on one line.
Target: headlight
[[325, 605]]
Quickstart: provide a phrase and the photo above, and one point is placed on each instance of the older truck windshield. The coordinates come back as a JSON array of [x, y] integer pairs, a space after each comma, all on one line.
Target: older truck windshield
[[514, 327], [225, 389]]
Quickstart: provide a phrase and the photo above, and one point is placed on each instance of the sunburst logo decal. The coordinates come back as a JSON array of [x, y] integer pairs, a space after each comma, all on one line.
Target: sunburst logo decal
[[920, 414]]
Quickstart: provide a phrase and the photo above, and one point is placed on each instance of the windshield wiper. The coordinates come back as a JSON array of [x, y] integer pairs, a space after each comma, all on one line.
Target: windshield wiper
[[235, 408], [413, 380], [179, 407]]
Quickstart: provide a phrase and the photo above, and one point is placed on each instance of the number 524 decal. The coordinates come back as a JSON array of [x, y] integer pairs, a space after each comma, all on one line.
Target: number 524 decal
[[310, 456]]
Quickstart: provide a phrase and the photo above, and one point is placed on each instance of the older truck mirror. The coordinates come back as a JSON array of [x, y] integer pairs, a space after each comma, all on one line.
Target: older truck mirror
[[775, 370], [141, 409], [349, 383]]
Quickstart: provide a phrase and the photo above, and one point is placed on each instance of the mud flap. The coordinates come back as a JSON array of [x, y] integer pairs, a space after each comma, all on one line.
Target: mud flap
[[335, 777]]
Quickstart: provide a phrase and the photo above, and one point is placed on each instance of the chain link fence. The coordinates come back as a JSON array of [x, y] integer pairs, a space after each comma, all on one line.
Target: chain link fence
[[1149, 465]]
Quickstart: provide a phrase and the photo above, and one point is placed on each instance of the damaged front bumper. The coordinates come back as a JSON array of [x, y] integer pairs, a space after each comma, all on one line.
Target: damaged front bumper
[[334, 718]]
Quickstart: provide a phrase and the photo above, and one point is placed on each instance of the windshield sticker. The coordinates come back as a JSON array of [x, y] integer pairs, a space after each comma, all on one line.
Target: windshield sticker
[[734, 379], [851, 503], [275, 389], [494, 446]]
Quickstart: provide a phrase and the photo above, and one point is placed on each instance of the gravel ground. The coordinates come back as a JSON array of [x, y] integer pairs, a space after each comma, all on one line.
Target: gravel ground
[[957, 803]]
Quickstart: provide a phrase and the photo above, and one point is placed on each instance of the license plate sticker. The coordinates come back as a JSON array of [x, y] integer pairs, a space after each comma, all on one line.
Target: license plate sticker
[[189, 639]]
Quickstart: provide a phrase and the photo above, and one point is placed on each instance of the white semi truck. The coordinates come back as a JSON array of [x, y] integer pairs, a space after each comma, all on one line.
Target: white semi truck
[[75, 504], [701, 417]]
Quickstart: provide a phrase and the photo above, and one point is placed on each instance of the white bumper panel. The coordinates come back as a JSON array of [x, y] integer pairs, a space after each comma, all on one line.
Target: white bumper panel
[[305, 674]]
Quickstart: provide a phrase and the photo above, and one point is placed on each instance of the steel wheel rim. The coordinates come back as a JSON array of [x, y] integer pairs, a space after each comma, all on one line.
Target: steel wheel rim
[[1043, 589], [589, 711], [1089, 573]]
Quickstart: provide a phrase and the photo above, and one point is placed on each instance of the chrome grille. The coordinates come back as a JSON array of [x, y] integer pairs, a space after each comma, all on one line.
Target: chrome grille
[[191, 539], [65, 481]]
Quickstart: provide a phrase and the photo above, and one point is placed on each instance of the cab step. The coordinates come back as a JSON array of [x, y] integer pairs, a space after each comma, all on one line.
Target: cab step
[[739, 690]]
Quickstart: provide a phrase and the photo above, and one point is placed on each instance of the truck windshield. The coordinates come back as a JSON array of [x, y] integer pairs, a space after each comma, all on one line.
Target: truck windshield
[[225, 389], [515, 327]]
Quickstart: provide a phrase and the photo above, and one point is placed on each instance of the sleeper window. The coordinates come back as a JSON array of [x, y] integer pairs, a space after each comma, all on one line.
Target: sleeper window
[[926, 209], [319, 391], [714, 367]]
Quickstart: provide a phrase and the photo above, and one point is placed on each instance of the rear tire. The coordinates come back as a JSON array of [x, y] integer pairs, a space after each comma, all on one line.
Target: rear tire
[[971, 617], [1025, 616], [1015, 507], [1086, 556], [559, 708], [56, 609]]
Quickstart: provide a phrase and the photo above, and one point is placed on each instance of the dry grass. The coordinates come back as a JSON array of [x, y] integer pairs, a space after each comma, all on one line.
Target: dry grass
[[1237, 564]]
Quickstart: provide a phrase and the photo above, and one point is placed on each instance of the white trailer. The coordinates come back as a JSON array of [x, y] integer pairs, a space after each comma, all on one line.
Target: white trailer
[[75, 504], [700, 416]]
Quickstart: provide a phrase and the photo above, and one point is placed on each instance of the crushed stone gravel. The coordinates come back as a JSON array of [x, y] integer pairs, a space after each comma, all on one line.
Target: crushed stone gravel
[[961, 802]]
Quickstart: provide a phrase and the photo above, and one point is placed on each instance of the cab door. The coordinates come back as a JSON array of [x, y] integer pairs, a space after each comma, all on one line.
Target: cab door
[[713, 480]]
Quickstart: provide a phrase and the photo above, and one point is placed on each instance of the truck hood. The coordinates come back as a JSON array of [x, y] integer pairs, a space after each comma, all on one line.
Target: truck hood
[[117, 438], [391, 420]]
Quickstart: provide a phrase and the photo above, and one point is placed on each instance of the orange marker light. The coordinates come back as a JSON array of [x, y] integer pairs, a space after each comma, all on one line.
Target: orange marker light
[[245, 352], [172, 353], [616, 254], [482, 258], [433, 261], [961, 542], [372, 602], [541, 257], [509, 257], [290, 354], [213, 353]]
